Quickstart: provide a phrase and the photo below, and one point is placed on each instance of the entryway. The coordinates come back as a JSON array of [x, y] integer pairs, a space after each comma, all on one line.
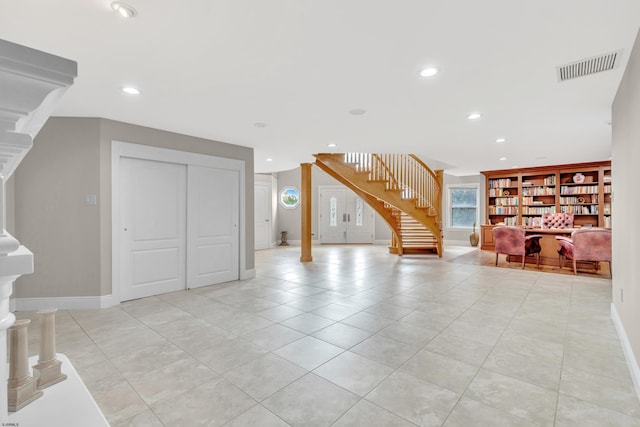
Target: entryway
[[343, 217]]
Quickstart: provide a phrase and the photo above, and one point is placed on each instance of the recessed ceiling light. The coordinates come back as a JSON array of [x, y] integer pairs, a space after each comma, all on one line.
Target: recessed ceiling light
[[332, 145], [124, 9], [501, 140], [429, 72], [357, 111], [515, 167], [260, 125], [131, 90], [269, 159], [474, 116], [503, 158]]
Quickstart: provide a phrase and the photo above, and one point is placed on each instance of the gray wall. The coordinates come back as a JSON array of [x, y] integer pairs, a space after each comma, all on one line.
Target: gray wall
[[626, 203], [71, 157], [457, 235], [289, 219]]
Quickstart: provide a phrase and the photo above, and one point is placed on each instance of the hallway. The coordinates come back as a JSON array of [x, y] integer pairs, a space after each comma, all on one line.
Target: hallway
[[359, 337]]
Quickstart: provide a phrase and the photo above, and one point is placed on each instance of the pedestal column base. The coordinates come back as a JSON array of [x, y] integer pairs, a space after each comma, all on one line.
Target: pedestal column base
[[22, 395], [48, 374]]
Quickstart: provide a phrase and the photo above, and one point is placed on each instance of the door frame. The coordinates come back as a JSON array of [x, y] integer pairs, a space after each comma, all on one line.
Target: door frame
[[146, 152], [269, 207]]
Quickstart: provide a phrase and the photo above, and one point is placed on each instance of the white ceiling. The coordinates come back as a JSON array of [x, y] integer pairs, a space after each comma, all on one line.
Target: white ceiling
[[213, 68]]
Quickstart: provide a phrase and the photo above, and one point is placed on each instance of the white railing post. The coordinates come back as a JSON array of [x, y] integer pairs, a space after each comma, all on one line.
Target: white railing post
[[31, 84]]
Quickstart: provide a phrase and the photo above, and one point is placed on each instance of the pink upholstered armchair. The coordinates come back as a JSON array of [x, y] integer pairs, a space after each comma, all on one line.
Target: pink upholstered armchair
[[557, 220], [513, 241], [586, 244]]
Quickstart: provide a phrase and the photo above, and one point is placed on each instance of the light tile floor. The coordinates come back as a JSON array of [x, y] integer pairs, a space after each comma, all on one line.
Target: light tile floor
[[359, 337]]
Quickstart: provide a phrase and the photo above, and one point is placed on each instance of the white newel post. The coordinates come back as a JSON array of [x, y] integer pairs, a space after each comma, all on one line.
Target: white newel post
[[31, 84]]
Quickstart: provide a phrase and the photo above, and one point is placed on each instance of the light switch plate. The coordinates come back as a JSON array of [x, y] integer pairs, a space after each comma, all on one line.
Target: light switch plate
[[90, 200]]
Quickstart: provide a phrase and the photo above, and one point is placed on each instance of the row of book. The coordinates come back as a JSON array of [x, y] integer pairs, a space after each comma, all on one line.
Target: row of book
[[503, 210], [580, 209], [500, 183], [539, 191], [579, 189], [593, 198], [507, 201], [529, 210]]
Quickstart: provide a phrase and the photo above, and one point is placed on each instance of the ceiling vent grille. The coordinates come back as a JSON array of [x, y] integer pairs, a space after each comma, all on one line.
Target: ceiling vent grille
[[584, 67]]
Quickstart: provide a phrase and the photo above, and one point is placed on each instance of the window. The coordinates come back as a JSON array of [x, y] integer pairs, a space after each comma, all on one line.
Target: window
[[463, 205], [289, 197], [333, 212]]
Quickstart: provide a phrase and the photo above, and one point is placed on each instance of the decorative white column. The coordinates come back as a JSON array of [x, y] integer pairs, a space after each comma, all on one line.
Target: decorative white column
[[47, 371], [22, 388], [31, 85]]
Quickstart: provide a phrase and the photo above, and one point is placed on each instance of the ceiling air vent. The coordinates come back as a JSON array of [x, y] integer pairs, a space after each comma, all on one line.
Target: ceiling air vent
[[584, 67]]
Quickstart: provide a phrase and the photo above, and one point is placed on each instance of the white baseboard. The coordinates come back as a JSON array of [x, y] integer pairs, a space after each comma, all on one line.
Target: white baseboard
[[315, 242], [632, 362], [248, 274], [382, 242], [63, 303]]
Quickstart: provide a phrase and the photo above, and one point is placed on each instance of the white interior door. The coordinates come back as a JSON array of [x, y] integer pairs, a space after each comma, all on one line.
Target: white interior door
[[213, 219], [344, 217], [153, 221], [262, 216]]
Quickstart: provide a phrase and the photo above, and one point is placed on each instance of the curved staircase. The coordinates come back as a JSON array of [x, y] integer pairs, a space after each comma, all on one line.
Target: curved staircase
[[401, 188]]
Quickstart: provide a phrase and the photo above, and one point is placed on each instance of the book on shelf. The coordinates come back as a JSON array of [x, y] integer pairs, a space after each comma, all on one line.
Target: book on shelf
[[579, 189], [503, 210], [580, 209], [500, 183], [506, 201], [528, 210], [539, 191]]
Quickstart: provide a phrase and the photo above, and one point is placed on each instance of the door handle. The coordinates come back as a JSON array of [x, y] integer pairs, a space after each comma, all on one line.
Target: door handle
[[266, 220], [348, 217], [344, 217]]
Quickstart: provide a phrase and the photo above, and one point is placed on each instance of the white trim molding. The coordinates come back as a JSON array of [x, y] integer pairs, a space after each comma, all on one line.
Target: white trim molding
[[632, 362], [63, 303], [247, 274]]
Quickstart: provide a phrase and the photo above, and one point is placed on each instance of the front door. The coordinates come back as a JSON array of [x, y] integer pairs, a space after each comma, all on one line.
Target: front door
[[344, 217]]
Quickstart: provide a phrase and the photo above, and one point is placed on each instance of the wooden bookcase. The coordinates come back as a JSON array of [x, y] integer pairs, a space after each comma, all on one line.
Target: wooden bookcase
[[521, 196]]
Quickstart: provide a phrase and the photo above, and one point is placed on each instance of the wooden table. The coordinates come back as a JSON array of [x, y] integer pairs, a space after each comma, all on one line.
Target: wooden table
[[549, 244]]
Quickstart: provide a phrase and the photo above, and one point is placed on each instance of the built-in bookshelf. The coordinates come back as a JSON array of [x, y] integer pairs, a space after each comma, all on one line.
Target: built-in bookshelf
[[503, 199], [522, 196]]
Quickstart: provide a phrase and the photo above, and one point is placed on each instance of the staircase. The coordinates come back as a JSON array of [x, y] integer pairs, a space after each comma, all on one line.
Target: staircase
[[401, 189]]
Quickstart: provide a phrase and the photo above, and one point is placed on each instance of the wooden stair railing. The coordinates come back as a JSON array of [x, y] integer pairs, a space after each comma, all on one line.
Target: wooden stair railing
[[393, 184]]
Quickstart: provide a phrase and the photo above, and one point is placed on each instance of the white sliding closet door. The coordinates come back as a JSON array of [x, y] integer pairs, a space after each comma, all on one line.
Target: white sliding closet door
[[213, 219], [153, 227]]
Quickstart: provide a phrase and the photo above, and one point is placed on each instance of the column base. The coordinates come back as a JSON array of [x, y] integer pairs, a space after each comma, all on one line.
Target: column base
[[22, 395], [48, 374]]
